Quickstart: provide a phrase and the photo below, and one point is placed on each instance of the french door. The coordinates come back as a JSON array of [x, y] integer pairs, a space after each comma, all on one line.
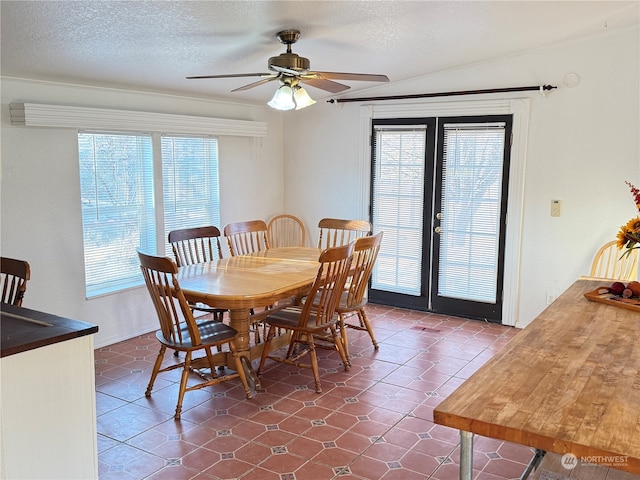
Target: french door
[[439, 192]]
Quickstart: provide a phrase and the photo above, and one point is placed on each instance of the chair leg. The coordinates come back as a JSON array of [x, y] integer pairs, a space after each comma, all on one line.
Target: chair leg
[[344, 338], [314, 363], [256, 335], [240, 368], [337, 341], [183, 384], [265, 349], [156, 369], [362, 315]]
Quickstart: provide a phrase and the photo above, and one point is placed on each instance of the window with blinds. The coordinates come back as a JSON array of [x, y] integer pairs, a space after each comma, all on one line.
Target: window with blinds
[[397, 206], [121, 203], [116, 181], [472, 168], [190, 183]]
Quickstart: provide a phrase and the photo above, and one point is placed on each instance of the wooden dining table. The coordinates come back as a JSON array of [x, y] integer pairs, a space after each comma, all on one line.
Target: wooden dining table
[[247, 283], [569, 383]]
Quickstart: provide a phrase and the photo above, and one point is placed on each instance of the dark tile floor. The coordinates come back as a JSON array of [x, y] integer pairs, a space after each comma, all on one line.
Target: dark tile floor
[[373, 422]]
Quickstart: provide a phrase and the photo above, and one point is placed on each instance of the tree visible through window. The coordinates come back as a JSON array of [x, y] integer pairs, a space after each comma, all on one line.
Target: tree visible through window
[[119, 199], [190, 183]]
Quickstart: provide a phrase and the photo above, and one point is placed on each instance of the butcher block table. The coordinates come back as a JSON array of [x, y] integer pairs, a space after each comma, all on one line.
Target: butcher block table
[[569, 383]]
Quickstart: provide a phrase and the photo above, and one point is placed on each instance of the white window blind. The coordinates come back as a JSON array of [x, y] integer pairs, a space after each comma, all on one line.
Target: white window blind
[[116, 179], [190, 183], [471, 198], [398, 197]]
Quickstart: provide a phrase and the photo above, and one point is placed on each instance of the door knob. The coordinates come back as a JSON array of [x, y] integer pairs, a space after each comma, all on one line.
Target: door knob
[[438, 230]]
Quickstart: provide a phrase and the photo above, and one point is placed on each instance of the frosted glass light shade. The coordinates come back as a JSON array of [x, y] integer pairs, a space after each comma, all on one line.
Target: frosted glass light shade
[[302, 98], [283, 99]]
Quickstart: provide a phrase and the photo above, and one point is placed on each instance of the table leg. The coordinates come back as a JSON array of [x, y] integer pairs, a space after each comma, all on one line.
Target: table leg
[[239, 319], [466, 455], [533, 464]]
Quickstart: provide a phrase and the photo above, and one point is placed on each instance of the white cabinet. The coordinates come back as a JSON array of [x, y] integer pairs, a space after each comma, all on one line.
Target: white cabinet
[[48, 411]]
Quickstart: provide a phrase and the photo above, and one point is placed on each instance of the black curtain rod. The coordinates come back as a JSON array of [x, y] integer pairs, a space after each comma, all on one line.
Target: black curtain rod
[[444, 94]]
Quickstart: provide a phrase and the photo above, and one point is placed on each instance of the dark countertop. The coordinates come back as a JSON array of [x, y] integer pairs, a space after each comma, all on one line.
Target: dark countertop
[[22, 329]]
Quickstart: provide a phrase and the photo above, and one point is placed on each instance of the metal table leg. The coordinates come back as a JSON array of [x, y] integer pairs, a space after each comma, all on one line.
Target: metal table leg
[[466, 455], [533, 464]]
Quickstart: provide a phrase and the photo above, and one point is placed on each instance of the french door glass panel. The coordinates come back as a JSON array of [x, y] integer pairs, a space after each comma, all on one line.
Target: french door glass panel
[[397, 206], [470, 211], [439, 193]]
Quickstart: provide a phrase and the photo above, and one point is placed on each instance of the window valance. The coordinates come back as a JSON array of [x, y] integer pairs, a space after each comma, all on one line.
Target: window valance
[[66, 116]]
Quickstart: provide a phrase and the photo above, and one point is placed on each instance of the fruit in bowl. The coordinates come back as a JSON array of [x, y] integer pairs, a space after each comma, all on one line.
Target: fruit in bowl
[[632, 289], [617, 288]]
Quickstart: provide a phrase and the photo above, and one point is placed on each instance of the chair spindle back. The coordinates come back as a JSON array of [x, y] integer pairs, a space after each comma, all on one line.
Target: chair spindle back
[[195, 245], [14, 275], [364, 258], [610, 263], [335, 264], [286, 231], [246, 237], [334, 232], [171, 306]]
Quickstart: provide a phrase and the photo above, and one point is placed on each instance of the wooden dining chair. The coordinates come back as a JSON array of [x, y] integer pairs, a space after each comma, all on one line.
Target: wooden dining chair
[[197, 245], [179, 330], [246, 237], [334, 231], [610, 263], [286, 231], [14, 275], [313, 318], [353, 299]]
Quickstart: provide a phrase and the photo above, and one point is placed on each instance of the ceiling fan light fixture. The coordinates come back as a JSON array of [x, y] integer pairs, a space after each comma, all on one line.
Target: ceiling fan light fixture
[[302, 98], [283, 99], [290, 95]]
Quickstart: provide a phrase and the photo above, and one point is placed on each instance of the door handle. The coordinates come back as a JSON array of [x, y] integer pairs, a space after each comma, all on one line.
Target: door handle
[[439, 215], [438, 230]]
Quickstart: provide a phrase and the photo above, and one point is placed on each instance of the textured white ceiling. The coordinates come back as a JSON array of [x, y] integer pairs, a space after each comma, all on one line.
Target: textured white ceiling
[[153, 45]]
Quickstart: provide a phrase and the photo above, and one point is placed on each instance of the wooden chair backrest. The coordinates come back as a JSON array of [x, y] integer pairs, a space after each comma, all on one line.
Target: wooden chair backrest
[[328, 286], [195, 245], [286, 231], [246, 237], [13, 280], [172, 308], [609, 262], [334, 231], [364, 258]]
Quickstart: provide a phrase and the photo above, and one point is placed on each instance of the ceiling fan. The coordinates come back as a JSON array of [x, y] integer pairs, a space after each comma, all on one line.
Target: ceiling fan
[[291, 69]]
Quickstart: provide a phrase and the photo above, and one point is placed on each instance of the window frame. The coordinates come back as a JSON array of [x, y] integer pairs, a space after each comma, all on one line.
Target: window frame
[[516, 105], [155, 220]]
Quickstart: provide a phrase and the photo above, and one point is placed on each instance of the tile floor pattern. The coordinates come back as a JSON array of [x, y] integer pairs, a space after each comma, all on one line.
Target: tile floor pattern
[[373, 422]]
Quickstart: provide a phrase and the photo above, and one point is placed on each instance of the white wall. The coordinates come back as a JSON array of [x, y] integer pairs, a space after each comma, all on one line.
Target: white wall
[[40, 192], [583, 144]]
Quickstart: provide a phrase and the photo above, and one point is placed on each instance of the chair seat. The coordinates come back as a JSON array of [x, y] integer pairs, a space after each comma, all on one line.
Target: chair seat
[[212, 333], [290, 318]]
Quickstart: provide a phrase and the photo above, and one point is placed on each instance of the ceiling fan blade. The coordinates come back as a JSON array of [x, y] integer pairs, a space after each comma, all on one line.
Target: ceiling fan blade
[[231, 75], [255, 84], [328, 85], [367, 77], [288, 71]]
